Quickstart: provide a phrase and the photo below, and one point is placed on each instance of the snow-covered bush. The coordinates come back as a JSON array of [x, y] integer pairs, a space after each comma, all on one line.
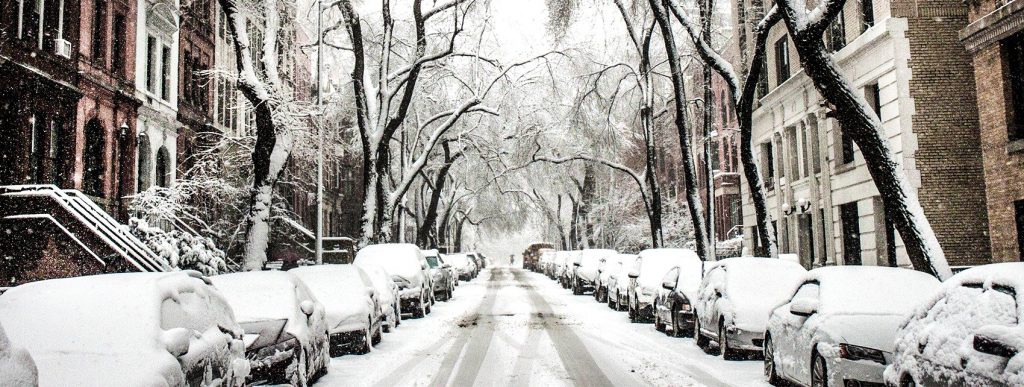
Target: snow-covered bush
[[182, 250]]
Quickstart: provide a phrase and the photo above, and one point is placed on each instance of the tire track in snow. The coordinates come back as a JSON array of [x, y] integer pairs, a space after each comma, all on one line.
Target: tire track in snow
[[468, 353], [576, 359]]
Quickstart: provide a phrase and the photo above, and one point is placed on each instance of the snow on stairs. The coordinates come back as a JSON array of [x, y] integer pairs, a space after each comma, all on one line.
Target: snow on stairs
[[73, 210]]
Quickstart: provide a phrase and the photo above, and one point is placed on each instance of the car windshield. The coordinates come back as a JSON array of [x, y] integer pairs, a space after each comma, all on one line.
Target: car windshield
[[868, 291], [433, 262]]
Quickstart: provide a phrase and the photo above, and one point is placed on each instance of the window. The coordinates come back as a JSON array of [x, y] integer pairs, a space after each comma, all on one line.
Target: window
[[794, 153], [117, 53], [1018, 209], [31, 13], [867, 14], [835, 36], [186, 92], [846, 155], [762, 81], [1014, 53], [871, 94], [163, 168], [38, 126], [809, 290], [52, 23], [143, 165], [94, 158], [851, 233], [99, 33], [165, 78], [151, 61], [782, 60], [767, 167]]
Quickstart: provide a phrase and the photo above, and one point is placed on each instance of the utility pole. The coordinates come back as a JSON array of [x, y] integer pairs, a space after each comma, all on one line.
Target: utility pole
[[708, 11], [320, 137]]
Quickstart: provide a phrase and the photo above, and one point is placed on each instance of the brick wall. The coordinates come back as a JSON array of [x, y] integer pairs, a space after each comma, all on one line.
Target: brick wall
[[946, 124], [1004, 169]]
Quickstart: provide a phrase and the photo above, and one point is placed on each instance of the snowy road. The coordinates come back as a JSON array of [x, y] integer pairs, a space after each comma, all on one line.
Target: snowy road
[[511, 327]]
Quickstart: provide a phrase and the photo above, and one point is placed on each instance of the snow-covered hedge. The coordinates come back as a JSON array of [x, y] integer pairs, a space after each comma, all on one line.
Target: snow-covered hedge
[[182, 250]]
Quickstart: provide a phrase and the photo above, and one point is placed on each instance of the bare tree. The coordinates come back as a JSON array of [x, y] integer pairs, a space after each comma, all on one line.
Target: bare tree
[[807, 27], [662, 17], [742, 94], [276, 113]]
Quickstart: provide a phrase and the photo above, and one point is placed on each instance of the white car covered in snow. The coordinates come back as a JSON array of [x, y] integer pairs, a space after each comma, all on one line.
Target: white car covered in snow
[[735, 299], [585, 269], [609, 264], [286, 334], [545, 261], [408, 268], [673, 305], [646, 279], [619, 281], [134, 329], [350, 303], [17, 369], [839, 326], [970, 334], [463, 266], [387, 295]]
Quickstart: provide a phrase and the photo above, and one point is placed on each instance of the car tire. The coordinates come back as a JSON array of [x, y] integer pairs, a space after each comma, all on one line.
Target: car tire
[[367, 345], [658, 325], [770, 372], [908, 381], [577, 290], [421, 309], [702, 342], [611, 302], [819, 371], [296, 372], [378, 335], [677, 330], [398, 314], [728, 353], [630, 312]]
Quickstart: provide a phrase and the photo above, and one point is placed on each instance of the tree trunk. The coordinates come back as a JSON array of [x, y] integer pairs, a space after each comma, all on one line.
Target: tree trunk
[[864, 127], [430, 219], [693, 201], [268, 158]]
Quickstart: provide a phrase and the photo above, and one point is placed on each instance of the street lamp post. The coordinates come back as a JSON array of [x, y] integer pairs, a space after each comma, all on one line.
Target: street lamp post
[[320, 138]]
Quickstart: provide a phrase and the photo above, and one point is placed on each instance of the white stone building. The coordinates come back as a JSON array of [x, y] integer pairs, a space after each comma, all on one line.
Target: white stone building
[[156, 81]]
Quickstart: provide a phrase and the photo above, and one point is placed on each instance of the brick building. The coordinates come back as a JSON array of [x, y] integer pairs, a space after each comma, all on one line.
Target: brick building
[[106, 146], [39, 93], [995, 39], [196, 56], [904, 57]]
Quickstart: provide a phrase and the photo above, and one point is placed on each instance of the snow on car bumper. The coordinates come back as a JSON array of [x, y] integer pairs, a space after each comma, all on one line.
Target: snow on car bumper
[[845, 372], [410, 294], [745, 340]]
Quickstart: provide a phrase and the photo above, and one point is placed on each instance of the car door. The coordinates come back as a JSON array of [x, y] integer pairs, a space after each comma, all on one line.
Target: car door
[[667, 297], [797, 337]]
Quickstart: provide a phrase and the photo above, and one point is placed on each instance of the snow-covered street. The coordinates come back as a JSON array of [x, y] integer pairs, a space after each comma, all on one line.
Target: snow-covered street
[[513, 327]]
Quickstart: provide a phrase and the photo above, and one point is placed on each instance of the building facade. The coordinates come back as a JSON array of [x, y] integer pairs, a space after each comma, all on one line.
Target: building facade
[[995, 40], [825, 207], [39, 93], [156, 80], [195, 60]]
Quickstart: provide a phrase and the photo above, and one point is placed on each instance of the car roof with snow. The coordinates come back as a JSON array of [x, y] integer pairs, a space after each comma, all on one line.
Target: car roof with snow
[[592, 257], [654, 263], [259, 295], [872, 289], [343, 279], [401, 259]]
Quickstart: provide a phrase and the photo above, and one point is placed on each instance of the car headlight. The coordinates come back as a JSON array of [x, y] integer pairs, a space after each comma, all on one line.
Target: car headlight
[[401, 282], [685, 306], [856, 352]]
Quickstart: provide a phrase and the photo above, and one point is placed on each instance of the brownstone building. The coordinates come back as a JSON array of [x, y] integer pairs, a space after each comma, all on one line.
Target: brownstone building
[[995, 39], [196, 45], [105, 135], [39, 91]]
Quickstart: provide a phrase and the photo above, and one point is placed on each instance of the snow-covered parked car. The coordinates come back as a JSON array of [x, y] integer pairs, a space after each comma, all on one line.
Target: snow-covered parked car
[[735, 299], [408, 268], [585, 269], [646, 279], [970, 334], [354, 316], [387, 295], [608, 265], [546, 259], [462, 265], [618, 282], [133, 329], [17, 369], [673, 305], [286, 334], [440, 274], [558, 267], [568, 268], [839, 326]]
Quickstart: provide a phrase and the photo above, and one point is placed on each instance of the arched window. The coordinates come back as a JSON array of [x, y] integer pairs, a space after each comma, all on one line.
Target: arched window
[[145, 164], [94, 158], [163, 167]]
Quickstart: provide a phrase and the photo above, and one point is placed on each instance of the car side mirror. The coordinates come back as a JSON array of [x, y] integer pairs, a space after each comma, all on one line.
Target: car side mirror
[[307, 307], [803, 307], [634, 274], [668, 285], [177, 341], [370, 290], [993, 346], [577, 264], [446, 266]]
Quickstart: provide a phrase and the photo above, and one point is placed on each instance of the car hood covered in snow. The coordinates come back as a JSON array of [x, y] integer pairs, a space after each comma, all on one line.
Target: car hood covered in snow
[[344, 292], [102, 330]]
